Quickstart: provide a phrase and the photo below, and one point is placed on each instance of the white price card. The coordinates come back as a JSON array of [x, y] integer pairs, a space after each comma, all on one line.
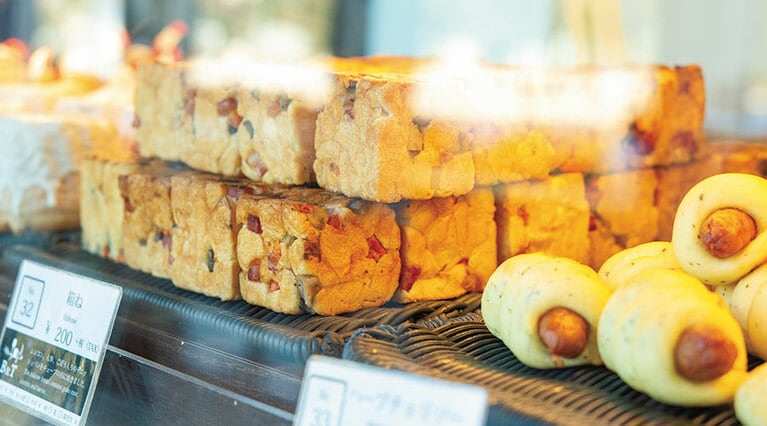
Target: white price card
[[338, 392], [53, 342]]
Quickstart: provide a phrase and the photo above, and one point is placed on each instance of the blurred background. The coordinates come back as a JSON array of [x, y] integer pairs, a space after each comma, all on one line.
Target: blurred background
[[727, 38]]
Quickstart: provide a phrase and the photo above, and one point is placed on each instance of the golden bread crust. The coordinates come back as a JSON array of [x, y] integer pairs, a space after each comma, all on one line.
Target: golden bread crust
[[312, 251], [448, 245]]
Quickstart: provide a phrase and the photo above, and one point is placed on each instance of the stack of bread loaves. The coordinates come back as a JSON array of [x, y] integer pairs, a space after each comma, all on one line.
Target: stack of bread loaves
[[420, 198]]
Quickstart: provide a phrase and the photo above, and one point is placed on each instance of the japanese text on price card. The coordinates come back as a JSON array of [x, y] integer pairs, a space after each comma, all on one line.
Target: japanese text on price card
[[339, 392], [53, 342]]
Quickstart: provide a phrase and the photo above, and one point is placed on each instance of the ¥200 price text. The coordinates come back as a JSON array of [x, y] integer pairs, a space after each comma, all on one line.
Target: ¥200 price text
[[66, 338]]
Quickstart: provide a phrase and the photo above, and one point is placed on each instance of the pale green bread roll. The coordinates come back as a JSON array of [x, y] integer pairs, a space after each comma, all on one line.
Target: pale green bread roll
[[748, 303], [622, 265], [641, 324], [751, 398], [744, 192], [726, 292], [525, 287], [508, 271]]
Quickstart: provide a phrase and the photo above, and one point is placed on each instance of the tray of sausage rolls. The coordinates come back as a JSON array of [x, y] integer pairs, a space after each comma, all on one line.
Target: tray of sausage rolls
[[663, 332]]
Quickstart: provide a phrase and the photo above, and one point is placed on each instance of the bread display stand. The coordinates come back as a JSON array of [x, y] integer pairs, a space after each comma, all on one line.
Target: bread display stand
[[181, 357], [177, 357]]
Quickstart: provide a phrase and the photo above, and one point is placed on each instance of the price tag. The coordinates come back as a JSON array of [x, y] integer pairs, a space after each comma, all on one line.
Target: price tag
[[338, 392], [53, 342]]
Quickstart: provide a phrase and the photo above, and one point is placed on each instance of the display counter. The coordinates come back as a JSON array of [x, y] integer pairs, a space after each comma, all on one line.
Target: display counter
[[177, 357]]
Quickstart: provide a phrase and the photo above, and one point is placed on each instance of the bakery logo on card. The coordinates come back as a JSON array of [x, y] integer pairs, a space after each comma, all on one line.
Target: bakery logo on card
[[12, 355]]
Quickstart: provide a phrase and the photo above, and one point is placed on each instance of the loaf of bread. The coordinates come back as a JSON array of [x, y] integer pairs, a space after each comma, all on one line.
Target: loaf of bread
[[740, 157], [370, 143], [212, 146], [203, 236], [623, 212], [549, 215], [309, 250], [164, 107], [664, 333], [375, 125], [448, 245], [147, 218], [276, 136], [666, 128], [40, 157], [102, 206], [181, 117]]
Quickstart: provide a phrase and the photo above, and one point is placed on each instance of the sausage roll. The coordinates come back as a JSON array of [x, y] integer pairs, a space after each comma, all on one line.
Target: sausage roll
[[718, 233], [748, 303], [507, 272], [546, 310], [750, 408], [666, 335], [622, 265]]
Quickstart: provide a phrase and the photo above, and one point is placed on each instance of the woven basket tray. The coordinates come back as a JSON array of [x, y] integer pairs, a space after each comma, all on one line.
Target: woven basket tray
[[462, 349], [236, 327]]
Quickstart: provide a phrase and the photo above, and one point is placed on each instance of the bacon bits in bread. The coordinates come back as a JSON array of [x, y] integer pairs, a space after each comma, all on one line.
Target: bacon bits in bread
[[310, 250], [203, 236], [215, 120], [276, 135], [448, 245], [371, 144], [546, 309], [664, 333], [718, 233], [147, 220]]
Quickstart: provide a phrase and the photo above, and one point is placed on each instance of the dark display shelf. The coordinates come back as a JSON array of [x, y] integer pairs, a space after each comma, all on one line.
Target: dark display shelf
[[174, 353], [463, 350]]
